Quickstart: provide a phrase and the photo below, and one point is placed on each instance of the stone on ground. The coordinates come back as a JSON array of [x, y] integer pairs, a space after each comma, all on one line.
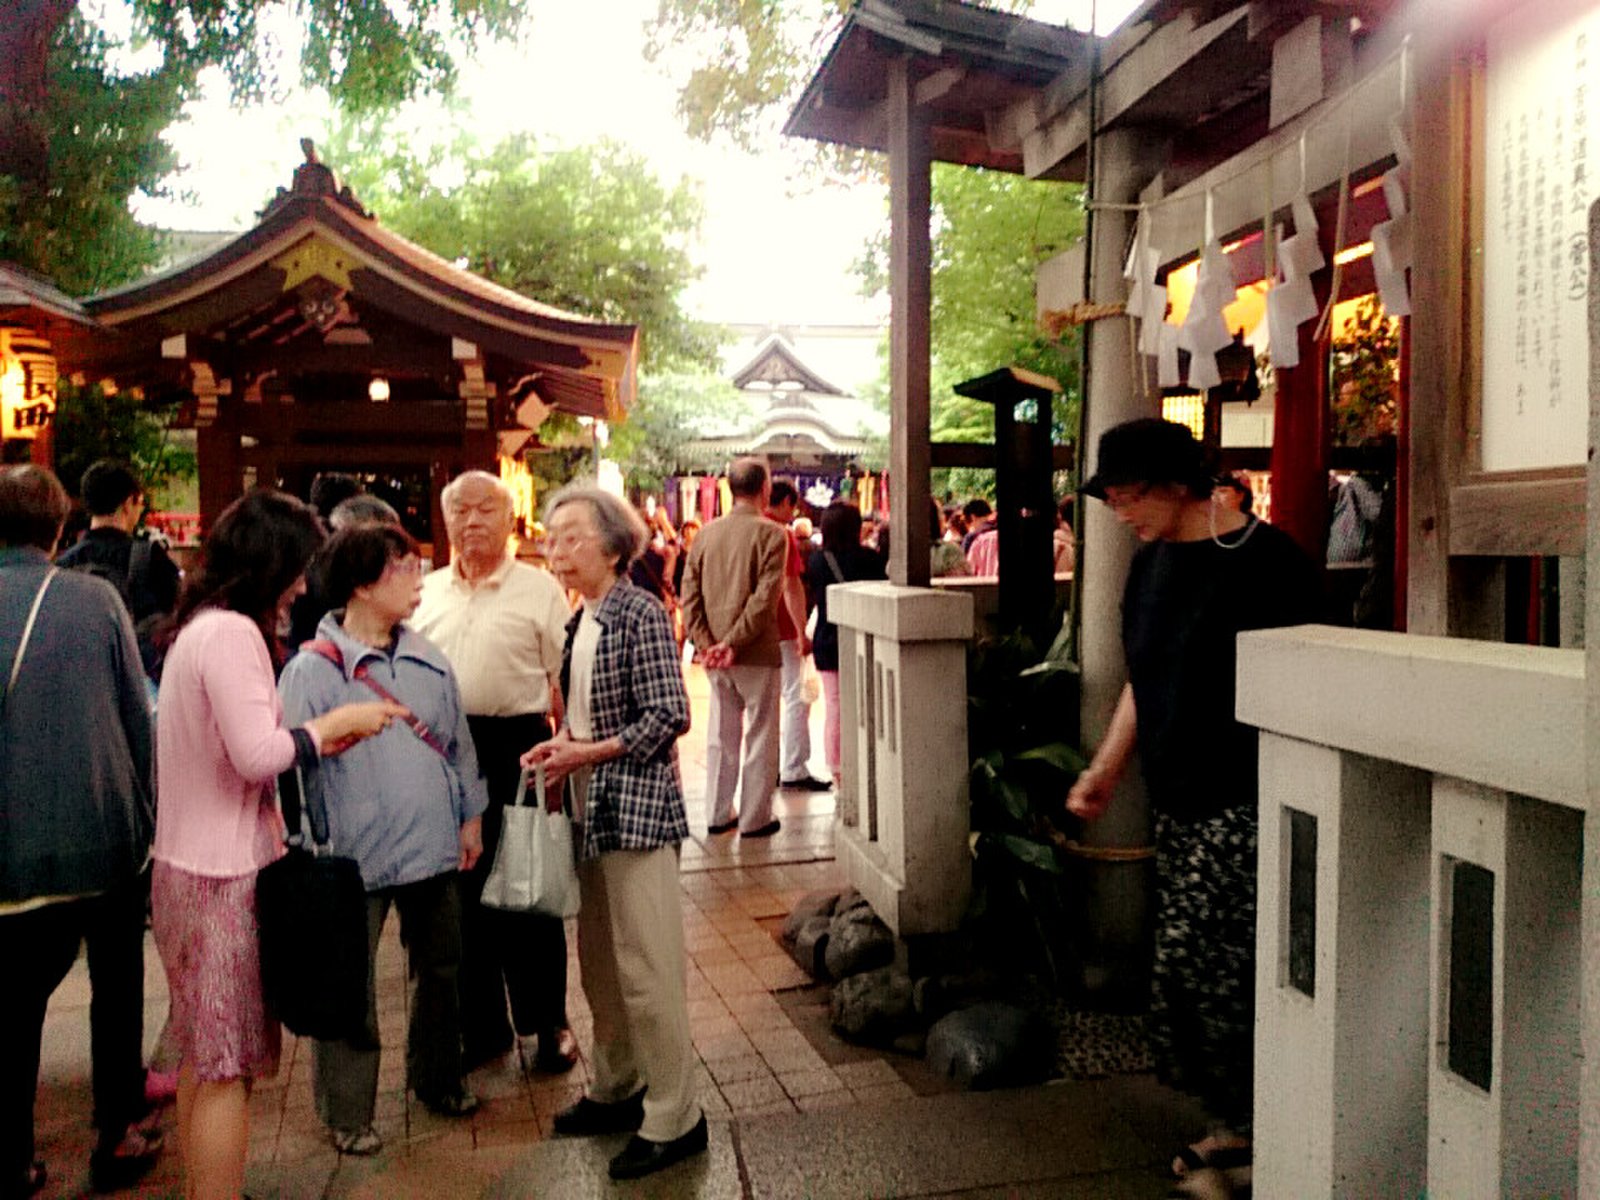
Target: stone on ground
[[857, 941], [873, 1006], [807, 908], [810, 945], [992, 1045]]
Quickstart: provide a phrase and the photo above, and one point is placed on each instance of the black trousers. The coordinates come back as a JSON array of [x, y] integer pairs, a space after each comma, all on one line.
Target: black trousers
[[345, 1076], [38, 948], [522, 955]]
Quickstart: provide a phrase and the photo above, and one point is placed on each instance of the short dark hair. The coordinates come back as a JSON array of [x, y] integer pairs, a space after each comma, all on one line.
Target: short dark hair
[[840, 524], [357, 556], [783, 490], [330, 489], [106, 487], [1238, 483], [259, 545], [977, 507], [747, 477], [33, 507]]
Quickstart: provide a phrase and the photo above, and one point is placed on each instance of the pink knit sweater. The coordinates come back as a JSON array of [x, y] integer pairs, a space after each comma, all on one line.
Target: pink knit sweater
[[220, 744]]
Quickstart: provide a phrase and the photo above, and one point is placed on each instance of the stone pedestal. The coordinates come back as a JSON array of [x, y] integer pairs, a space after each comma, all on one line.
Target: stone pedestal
[[1342, 1048], [1504, 1075], [903, 804], [1419, 952]]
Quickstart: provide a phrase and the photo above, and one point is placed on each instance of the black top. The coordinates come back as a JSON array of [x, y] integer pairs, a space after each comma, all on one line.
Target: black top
[[147, 593], [1184, 605], [856, 563]]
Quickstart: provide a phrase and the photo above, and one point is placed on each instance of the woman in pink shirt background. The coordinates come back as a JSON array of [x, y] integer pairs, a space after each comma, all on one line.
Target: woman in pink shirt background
[[221, 744]]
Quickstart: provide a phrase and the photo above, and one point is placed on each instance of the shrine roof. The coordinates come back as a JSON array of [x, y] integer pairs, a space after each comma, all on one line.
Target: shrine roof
[[776, 363], [317, 231], [32, 300], [972, 60]]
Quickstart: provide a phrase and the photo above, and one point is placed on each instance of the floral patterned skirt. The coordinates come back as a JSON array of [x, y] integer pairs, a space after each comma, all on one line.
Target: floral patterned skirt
[[1202, 1009], [206, 933]]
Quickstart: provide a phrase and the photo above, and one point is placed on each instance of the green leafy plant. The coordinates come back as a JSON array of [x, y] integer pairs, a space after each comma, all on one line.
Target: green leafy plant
[[1366, 376], [1022, 707], [91, 425]]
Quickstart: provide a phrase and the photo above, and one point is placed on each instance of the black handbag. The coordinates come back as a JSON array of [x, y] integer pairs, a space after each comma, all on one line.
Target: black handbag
[[311, 906]]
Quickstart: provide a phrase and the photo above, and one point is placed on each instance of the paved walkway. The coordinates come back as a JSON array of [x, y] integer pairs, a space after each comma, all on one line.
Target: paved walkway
[[796, 1113]]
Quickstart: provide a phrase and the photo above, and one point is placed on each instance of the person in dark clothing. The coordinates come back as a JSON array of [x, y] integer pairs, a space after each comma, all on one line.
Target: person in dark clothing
[[309, 609], [980, 519], [76, 816], [1204, 574], [141, 571], [842, 559]]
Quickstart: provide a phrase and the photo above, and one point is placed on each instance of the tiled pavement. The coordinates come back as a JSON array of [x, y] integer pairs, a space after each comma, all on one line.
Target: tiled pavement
[[795, 1111]]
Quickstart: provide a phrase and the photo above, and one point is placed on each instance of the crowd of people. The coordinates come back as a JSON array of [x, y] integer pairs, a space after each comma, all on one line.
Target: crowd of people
[[147, 724]]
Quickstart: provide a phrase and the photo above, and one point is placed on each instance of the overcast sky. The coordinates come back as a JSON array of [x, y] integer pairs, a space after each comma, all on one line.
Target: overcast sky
[[578, 73]]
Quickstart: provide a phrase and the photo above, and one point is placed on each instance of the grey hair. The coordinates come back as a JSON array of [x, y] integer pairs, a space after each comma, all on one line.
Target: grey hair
[[622, 530], [447, 498], [364, 509]]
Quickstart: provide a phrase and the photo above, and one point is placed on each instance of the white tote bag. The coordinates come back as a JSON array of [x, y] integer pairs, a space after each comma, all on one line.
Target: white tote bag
[[534, 869]]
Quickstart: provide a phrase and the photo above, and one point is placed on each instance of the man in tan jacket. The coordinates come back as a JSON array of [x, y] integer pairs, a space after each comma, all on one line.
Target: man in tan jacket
[[731, 587]]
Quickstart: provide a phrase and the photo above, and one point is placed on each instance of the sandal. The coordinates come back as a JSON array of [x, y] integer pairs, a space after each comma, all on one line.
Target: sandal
[[1206, 1183], [1190, 1159], [361, 1143]]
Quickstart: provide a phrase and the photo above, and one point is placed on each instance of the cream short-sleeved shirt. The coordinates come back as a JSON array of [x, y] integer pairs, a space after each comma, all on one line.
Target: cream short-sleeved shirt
[[503, 638]]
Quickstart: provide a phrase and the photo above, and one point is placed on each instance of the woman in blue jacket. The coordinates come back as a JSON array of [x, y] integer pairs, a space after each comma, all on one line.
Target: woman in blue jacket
[[406, 805]]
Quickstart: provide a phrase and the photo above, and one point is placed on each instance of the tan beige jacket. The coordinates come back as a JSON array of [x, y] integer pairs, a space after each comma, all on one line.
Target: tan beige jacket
[[732, 584]]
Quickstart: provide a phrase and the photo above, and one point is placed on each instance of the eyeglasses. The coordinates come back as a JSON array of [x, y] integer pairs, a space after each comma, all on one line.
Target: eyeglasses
[[567, 541], [407, 566], [1119, 499]]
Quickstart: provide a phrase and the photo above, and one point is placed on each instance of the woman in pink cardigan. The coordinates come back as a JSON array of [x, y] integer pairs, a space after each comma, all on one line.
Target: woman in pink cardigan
[[221, 743]]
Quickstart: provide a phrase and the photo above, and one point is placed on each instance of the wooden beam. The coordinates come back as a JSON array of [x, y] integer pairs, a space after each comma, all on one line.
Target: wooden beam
[[979, 456], [938, 84], [910, 307], [1544, 517], [1441, 182]]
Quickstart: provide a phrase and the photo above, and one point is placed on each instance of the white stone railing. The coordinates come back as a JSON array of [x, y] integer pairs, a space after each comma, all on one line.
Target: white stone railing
[[1419, 941], [903, 818]]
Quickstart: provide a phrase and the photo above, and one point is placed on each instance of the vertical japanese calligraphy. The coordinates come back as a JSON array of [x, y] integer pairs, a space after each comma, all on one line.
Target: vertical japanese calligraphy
[[1535, 249]]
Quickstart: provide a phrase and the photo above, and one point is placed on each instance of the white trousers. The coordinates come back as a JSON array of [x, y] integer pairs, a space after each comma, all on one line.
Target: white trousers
[[744, 714], [630, 951], [796, 757]]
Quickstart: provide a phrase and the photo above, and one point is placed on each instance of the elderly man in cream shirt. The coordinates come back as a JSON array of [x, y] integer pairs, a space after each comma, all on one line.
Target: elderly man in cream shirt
[[502, 626]]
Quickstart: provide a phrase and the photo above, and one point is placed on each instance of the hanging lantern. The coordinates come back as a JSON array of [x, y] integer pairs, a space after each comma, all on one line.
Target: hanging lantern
[[27, 384]]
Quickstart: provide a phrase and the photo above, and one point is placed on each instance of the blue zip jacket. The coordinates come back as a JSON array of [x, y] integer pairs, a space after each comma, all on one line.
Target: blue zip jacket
[[394, 804]]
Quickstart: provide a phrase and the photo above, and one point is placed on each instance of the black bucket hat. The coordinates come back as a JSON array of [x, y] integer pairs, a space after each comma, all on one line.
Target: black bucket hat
[[1148, 451]]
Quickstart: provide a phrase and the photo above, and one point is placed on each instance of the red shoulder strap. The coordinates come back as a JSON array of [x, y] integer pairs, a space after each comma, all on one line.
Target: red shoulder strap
[[326, 649], [331, 652]]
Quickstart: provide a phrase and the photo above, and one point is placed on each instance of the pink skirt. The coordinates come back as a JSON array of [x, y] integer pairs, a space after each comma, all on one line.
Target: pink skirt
[[205, 931]]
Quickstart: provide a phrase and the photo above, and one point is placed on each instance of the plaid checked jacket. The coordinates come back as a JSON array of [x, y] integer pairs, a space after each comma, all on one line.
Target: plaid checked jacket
[[635, 801]]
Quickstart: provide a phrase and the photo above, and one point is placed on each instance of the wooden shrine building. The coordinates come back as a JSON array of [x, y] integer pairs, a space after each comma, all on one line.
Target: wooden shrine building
[[319, 340]]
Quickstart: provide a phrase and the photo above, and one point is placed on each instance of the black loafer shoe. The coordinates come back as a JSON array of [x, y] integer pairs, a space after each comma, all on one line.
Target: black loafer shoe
[[724, 826], [766, 831], [807, 783], [640, 1158], [589, 1117]]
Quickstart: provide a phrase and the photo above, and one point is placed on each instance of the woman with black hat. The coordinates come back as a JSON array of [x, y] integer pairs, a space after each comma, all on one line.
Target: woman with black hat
[[1204, 574]]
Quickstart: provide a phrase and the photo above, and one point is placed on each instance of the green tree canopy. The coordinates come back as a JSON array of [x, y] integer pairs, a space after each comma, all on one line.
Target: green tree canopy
[[78, 138], [591, 228], [991, 231]]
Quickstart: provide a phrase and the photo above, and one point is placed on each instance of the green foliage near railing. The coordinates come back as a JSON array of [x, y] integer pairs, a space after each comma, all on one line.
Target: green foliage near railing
[[1022, 717]]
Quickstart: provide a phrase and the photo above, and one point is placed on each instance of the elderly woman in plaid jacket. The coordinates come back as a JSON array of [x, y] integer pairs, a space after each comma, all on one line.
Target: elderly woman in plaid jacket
[[626, 708]]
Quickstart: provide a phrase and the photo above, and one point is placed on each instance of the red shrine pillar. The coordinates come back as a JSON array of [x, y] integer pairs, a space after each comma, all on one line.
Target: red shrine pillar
[[1301, 435]]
